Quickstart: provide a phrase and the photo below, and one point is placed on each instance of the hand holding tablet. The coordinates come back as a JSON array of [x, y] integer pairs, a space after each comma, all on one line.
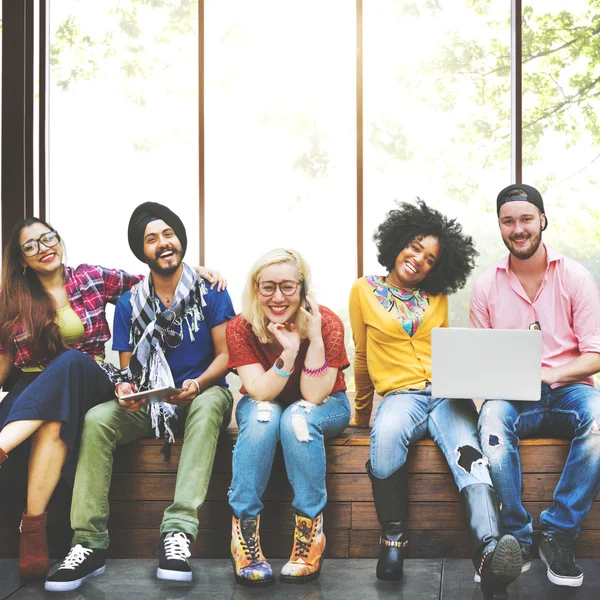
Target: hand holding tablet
[[154, 395]]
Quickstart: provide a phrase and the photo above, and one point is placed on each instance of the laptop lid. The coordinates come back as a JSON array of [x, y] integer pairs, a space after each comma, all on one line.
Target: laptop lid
[[492, 364]]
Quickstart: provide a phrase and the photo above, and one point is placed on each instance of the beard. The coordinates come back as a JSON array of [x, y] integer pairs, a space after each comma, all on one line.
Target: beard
[[525, 253], [154, 266]]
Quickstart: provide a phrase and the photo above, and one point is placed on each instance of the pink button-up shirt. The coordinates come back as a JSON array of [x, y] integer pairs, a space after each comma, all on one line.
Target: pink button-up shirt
[[567, 307]]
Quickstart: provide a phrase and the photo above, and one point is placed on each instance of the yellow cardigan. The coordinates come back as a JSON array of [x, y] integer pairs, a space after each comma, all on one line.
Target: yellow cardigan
[[386, 358]]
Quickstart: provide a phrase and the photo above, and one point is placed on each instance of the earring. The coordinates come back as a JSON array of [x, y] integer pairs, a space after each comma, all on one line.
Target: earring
[[24, 270]]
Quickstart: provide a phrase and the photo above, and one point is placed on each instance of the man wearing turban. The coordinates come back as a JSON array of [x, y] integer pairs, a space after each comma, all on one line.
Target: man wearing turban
[[170, 332]]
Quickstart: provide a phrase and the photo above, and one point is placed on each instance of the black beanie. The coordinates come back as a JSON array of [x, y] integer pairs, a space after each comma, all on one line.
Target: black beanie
[[142, 215]]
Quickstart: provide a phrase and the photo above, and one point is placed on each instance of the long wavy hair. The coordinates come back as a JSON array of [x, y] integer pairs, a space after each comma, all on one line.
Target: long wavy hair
[[25, 302], [251, 310], [410, 221]]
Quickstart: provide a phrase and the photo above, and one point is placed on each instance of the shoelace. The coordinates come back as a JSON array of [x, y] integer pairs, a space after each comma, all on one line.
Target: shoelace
[[76, 556], [250, 548], [303, 547], [177, 546]]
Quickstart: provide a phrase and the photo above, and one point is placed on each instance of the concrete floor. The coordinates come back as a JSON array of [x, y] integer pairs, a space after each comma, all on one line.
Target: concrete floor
[[341, 579]]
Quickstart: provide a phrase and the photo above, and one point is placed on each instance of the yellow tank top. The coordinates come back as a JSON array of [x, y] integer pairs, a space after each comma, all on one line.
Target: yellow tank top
[[71, 329]]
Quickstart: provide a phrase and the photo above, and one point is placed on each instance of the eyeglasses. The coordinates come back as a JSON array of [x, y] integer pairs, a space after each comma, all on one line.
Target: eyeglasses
[[167, 320], [32, 247], [287, 287]]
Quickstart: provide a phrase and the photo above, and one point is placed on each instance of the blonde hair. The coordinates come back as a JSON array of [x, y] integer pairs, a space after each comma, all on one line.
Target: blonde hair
[[251, 310]]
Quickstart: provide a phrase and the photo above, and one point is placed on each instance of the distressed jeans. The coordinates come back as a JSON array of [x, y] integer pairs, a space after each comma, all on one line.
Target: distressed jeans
[[109, 425], [302, 428], [408, 416], [571, 411]]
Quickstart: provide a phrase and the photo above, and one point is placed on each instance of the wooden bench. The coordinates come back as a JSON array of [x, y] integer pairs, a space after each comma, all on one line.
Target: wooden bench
[[143, 485]]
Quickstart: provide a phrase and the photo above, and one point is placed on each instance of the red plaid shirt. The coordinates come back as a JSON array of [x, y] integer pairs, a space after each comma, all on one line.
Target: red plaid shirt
[[89, 289]]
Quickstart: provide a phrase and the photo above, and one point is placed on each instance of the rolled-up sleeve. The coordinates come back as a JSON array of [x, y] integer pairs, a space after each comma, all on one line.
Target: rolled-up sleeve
[[479, 314], [586, 314]]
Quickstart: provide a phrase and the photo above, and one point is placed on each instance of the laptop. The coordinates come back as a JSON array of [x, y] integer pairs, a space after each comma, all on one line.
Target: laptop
[[492, 364]]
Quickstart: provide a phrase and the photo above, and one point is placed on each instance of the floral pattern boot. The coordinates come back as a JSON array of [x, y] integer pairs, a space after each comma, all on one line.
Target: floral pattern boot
[[307, 554], [249, 564]]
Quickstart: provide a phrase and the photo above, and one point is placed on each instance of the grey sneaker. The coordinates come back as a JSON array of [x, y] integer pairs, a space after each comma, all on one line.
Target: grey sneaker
[[556, 551]]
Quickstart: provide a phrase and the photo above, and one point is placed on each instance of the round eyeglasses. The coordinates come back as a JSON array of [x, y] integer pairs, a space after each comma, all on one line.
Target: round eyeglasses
[[287, 287], [167, 320], [32, 247]]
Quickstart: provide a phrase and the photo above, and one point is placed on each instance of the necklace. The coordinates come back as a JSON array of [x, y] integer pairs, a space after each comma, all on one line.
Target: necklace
[[165, 299]]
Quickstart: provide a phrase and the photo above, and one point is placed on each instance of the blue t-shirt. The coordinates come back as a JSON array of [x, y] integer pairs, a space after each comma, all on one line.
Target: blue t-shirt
[[189, 359]]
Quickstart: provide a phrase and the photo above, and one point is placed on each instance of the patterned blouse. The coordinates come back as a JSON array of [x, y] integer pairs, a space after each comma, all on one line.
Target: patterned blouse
[[408, 305]]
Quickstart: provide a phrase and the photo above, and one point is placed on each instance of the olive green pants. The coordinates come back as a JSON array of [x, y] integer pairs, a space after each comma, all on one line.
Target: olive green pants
[[108, 425]]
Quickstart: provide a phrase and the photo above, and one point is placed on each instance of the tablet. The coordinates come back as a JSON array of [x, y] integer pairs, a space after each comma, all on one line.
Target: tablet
[[154, 395]]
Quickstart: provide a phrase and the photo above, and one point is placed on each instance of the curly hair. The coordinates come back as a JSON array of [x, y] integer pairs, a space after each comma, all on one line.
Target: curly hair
[[457, 254]]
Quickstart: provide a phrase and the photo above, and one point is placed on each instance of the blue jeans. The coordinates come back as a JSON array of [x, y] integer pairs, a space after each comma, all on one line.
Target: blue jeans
[[408, 416], [569, 411], [302, 428]]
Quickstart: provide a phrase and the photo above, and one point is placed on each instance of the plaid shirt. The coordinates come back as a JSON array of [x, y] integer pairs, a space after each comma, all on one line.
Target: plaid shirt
[[89, 289]]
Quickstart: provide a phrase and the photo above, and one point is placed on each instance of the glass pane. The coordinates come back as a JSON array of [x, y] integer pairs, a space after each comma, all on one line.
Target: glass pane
[[437, 117], [123, 120], [561, 129], [281, 139]]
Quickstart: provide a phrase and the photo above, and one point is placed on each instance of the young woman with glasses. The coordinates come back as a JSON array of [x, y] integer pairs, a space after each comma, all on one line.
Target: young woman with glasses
[[289, 353], [426, 256], [53, 329]]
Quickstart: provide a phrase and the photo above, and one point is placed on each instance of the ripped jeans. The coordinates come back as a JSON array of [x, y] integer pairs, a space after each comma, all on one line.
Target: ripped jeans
[[570, 411], [302, 428], [407, 416]]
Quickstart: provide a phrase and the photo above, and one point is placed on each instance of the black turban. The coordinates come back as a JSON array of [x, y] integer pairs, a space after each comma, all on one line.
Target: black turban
[[142, 215]]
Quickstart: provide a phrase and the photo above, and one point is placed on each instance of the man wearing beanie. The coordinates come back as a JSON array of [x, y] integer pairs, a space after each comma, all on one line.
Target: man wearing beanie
[[535, 287], [169, 331]]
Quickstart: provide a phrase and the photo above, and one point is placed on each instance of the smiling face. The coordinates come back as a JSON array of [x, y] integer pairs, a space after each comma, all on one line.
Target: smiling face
[[279, 308], [415, 262], [47, 260], [162, 248], [521, 225]]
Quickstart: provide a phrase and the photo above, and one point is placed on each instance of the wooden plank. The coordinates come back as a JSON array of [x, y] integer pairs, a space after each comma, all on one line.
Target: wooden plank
[[217, 515], [213, 543], [341, 487], [347, 456], [447, 515]]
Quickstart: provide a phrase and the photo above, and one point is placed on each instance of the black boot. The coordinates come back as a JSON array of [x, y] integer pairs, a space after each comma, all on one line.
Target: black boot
[[391, 502], [497, 558]]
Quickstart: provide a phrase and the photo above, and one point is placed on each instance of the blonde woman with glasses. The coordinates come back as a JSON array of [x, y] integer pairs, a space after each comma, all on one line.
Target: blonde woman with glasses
[[289, 353]]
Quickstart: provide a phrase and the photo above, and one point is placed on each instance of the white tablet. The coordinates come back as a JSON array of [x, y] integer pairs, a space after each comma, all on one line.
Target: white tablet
[[154, 395]]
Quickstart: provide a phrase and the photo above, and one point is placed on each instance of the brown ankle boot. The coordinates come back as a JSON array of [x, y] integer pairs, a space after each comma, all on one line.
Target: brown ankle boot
[[33, 550], [3, 456]]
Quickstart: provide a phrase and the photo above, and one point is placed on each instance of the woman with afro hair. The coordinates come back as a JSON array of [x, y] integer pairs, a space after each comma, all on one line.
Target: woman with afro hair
[[427, 257]]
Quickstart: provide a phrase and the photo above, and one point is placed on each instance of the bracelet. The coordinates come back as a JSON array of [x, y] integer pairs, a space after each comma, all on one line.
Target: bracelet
[[197, 386], [316, 372], [282, 373]]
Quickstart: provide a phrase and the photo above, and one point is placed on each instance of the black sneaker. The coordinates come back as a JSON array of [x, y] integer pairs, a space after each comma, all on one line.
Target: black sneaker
[[173, 557], [555, 550], [79, 564]]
